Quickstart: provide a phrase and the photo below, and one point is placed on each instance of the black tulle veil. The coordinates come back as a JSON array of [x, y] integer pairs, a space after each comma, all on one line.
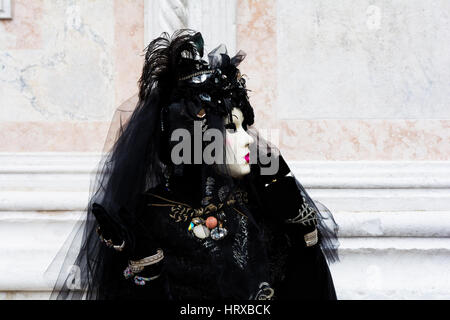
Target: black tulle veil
[[136, 159]]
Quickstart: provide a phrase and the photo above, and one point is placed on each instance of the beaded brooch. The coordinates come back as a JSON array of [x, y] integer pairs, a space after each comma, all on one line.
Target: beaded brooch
[[202, 228]]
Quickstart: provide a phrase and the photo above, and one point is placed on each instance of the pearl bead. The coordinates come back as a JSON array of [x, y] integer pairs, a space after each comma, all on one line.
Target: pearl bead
[[201, 231]]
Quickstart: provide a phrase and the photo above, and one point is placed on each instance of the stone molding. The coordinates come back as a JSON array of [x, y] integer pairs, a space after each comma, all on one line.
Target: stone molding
[[394, 221]]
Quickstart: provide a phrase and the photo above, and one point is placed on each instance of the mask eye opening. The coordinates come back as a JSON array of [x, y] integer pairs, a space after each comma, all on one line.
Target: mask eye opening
[[231, 126]]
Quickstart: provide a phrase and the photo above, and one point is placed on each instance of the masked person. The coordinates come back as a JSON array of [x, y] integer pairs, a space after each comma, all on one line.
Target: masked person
[[190, 202]]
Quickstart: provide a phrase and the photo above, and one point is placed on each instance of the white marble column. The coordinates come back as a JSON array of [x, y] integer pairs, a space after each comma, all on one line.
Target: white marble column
[[215, 19], [5, 9]]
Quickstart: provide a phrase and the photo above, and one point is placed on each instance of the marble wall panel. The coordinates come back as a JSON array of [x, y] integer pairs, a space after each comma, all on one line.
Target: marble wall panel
[[67, 65], [363, 59], [275, 96]]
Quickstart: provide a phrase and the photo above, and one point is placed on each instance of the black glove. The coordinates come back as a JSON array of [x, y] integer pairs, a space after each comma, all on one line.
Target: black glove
[[290, 207], [133, 232], [110, 231], [134, 229]]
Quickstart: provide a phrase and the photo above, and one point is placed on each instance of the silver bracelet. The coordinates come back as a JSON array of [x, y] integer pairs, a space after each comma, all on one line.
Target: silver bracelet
[[311, 238], [138, 266]]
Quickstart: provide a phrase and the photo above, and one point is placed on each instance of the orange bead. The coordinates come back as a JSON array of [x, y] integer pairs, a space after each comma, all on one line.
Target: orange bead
[[211, 222]]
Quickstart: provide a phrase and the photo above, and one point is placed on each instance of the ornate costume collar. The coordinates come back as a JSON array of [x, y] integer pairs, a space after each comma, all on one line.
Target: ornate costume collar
[[182, 212]]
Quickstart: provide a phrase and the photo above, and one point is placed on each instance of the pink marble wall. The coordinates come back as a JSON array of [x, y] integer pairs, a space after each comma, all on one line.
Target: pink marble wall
[[24, 37], [257, 35], [129, 45], [23, 29], [60, 136], [325, 139]]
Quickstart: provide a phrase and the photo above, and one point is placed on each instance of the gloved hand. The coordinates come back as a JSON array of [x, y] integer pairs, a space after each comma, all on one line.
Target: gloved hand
[[287, 203], [134, 229], [134, 232], [110, 231]]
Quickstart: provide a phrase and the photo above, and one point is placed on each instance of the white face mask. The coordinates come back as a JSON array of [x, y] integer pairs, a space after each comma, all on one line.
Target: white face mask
[[237, 145]]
